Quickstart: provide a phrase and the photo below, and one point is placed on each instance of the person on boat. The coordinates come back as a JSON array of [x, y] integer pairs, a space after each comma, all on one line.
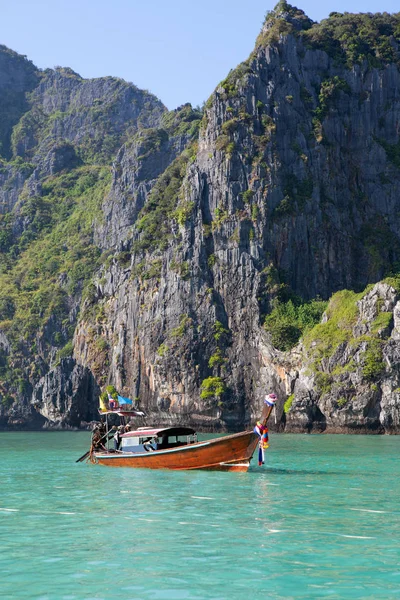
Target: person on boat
[[97, 439], [164, 442], [117, 438]]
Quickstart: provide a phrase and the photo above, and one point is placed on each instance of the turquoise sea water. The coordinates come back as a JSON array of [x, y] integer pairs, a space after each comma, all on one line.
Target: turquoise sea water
[[320, 520]]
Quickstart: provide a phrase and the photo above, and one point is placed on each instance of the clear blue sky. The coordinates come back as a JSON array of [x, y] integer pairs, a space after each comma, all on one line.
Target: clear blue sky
[[177, 49]]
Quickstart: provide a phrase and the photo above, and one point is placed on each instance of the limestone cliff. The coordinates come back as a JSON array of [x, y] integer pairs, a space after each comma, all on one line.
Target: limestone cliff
[[288, 192]]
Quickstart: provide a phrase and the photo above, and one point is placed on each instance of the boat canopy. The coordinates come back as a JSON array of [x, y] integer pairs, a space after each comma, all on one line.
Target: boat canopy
[[122, 412], [152, 432]]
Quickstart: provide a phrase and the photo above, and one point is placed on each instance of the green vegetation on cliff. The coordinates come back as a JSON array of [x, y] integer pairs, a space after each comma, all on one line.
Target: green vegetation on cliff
[[352, 38], [212, 387], [47, 267], [338, 331], [342, 313], [165, 203], [290, 320], [348, 38], [283, 20], [342, 343], [182, 121]]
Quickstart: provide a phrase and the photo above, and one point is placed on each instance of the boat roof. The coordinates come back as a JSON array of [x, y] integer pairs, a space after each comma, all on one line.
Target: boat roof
[[122, 413], [155, 431]]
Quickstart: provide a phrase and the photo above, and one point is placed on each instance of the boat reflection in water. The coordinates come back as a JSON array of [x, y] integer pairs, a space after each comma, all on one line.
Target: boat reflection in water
[[178, 448]]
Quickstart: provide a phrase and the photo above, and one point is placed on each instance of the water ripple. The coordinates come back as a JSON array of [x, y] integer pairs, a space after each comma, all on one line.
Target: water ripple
[[319, 520]]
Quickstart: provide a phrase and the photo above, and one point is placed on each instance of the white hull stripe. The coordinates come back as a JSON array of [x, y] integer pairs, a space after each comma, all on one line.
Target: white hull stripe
[[153, 453], [223, 464]]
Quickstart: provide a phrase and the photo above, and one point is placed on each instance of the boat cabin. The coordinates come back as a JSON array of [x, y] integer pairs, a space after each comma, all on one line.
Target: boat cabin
[[148, 439]]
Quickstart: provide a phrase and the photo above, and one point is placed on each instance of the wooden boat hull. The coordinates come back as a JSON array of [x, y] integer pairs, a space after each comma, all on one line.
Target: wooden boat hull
[[228, 453]]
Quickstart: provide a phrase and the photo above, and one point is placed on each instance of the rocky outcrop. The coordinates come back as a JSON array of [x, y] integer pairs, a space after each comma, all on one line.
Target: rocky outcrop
[[67, 396], [18, 76], [353, 387], [136, 168], [95, 115]]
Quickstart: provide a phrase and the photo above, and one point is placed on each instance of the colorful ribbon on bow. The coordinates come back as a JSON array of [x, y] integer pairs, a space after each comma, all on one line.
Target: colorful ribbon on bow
[[261, 428], [262, 431]]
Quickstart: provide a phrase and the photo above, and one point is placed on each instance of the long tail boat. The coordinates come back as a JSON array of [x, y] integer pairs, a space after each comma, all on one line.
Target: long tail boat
[[178, 448]]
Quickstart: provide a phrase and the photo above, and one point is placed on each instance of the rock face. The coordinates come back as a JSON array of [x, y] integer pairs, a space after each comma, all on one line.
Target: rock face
[[66, 396], [95, 115], [292, 181], [355, 386], [136, 168], [18, 76]]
